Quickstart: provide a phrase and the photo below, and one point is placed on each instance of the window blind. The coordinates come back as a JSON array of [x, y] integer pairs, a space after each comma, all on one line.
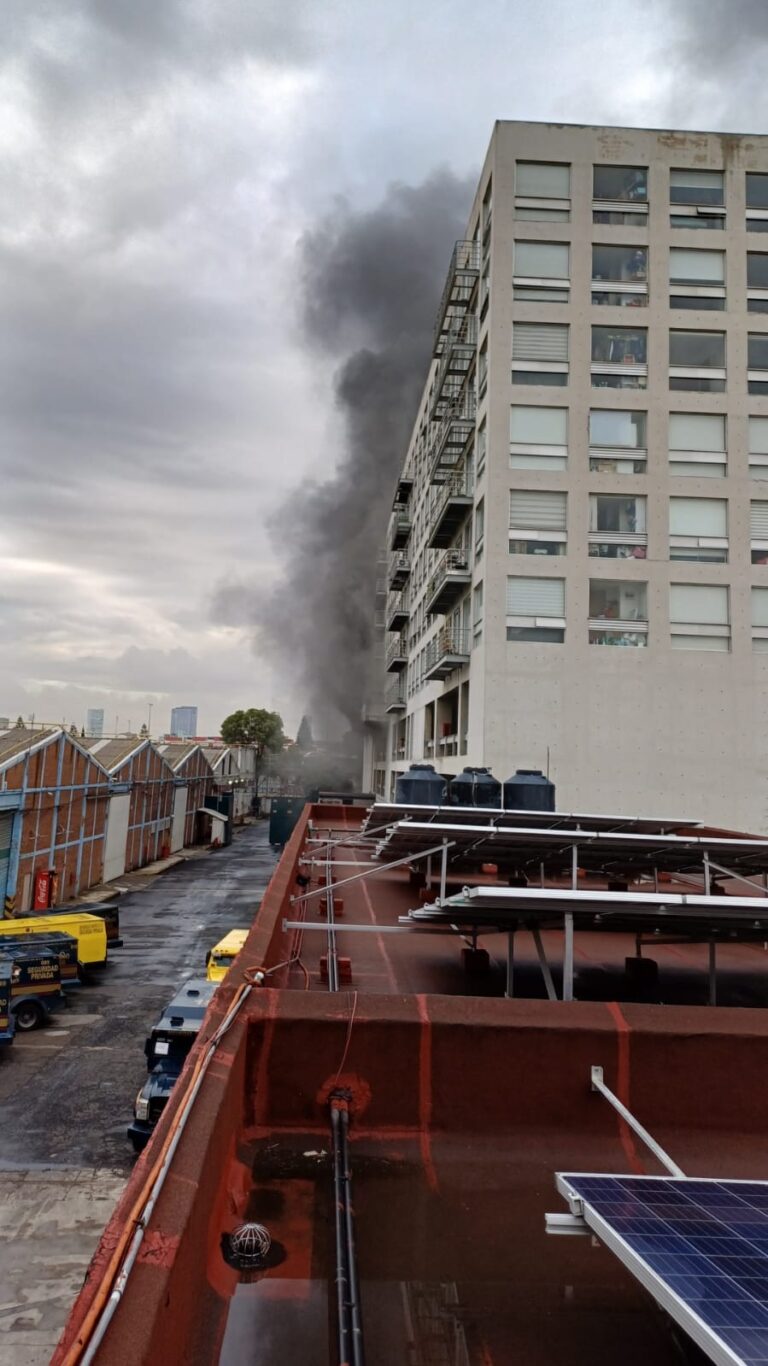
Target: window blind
[[758, 435], [540, 341], [698, 604], [535, 597], [696, 432], [698, 517], [543, 260], [617, 427], [542, 180], [690, 178], [694, 266], [760, 606], [758, 520], [539, 426], [537, 509]]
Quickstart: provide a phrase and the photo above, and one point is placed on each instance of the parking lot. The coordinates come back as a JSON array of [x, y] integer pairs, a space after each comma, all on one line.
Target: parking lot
[[67, 1091]]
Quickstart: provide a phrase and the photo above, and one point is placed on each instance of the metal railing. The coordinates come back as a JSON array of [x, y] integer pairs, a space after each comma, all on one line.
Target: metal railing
[[397, 650], [463, 272], [399, 568], [449, 642], [394, 696], [397, 604], [457, 485], [452, 433], [453, 562]]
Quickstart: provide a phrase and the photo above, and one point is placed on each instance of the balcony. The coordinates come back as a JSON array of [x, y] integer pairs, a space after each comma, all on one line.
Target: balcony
[[399, 571], [451, 509], [449, 651], [398, 611], [403, 490], [448, 583], [397, 655], [458, 354], [450, 440], [463, 274], [399, 528], [394, 696]]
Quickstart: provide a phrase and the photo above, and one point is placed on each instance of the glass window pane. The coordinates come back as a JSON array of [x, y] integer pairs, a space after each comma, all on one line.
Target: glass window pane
[[697, 348], [542, 180], [757, 190], [696, 432], [698, 604], [539, 426], [614, 512], [619, 263], [698, 517], [619, 344], [757, 268], [692, 267], [617, 427], [542, 260], [696, 187], [758, 350], [612, 599], [620, 182], [758, 435]]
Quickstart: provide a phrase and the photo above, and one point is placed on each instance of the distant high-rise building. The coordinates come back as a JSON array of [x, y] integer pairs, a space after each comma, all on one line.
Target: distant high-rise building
[[184, 722], [94, 721]]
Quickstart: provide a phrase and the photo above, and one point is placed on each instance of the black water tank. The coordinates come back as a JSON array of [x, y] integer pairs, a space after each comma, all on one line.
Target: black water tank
[[421, 786], [475, 787], [529, 790]]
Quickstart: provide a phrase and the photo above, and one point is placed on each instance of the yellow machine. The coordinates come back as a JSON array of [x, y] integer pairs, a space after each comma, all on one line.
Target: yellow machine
[[89, 931], [221, 957]]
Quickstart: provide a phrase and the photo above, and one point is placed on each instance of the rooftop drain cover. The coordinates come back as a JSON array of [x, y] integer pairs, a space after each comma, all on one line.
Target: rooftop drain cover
[[250, 1244]]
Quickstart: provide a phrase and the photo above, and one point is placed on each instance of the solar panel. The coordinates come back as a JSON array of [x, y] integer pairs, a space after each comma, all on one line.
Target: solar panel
[[382, 813], [700, 1247]]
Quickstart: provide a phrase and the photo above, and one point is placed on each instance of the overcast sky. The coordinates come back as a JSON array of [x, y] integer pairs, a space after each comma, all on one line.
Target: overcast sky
[[162, 162]]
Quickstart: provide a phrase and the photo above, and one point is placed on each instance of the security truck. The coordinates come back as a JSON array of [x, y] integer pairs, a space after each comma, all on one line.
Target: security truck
[[166, 1050]]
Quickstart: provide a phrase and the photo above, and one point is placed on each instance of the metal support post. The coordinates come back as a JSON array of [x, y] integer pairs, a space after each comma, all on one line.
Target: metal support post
[[370, 872], [574, 867], [510, 964], [707, 875], [544, 965], [443, 869], [596, 1075], [712, 973], [429, 873], [568, 957]]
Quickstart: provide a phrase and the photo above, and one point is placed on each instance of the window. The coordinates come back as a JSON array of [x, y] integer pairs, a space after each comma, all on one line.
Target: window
[[758, 531], [760, 620], [537, 522], [538, 438], [477, 613], [479, 528], [757, 202], [540, 353], [697, 444], [536, 609], [696, 279], [482, 369], [619, 275], [617, 526], [482, 447], [697, 198], [698, 529], [619, 357], [617, 441], [757, 362], [618, 612], [542, 271], [699, 616], [625, 186], [757, 281], [697, 361], [758, 447], [542, 191]]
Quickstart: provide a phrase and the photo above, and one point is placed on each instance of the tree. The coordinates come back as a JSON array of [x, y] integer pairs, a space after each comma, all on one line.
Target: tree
[[304, 739], [144, 732], [261, 730]]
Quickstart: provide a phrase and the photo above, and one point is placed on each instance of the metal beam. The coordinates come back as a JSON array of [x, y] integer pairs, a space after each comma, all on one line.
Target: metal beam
[[545, 972], [510, 991], [568, 956], [598, 1084], [368, 872]]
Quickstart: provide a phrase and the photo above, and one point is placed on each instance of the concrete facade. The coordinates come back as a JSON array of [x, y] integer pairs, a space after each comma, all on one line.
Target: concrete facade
[[508, 673]]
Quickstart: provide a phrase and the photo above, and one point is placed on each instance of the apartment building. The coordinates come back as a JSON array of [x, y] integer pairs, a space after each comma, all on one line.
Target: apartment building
[[578, 547]]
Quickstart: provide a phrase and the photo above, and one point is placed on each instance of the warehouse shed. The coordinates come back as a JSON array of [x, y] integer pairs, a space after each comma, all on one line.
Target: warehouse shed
[[140, 804], [193, 782]]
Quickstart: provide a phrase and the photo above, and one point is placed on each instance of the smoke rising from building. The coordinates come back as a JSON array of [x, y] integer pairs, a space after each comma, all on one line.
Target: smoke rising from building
[[372, 283]]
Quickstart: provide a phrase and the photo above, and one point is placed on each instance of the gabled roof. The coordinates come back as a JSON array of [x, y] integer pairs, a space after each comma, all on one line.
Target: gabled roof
[[114, 753], [177, 754], [18, 741], [215, 756]]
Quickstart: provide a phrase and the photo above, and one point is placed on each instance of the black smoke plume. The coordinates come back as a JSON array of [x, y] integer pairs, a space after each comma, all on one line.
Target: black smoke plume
[[372, 283]]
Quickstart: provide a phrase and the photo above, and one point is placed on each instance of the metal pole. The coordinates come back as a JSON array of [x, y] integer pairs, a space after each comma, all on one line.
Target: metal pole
[[574, 867], [545, 972], [369, 872], [443, 869], [568, 957], [707, 877], [510, 964], [712, 973], [666, 1161], [429, 873]]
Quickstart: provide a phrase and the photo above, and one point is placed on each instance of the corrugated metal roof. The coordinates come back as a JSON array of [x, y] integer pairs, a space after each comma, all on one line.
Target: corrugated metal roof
[[113, 753], [18, 740], [175, 754], [215, 755]]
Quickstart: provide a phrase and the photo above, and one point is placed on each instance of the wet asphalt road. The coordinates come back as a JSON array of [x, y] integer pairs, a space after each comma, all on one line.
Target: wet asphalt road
[[67, 1091]]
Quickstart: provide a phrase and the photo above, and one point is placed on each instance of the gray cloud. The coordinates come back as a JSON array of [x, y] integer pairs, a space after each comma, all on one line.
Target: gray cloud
[[372, 282]]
